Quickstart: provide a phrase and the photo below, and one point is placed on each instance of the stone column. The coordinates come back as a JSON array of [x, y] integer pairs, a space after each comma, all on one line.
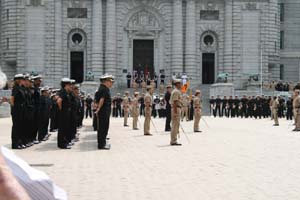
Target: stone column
[[111, 38], [190, 40], [58, 53], [177, 38], [228, 48], [97, 48]]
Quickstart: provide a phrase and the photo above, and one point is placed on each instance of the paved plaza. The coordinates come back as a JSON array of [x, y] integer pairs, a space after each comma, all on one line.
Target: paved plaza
[[233, 159]]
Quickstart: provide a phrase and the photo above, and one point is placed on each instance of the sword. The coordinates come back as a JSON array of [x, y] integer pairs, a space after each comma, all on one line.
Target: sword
[[154, 126], [205, 122], [187, 138]]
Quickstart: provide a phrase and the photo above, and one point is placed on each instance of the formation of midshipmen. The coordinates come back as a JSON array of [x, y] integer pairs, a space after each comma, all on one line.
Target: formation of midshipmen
[[257, 107], [33, 108]]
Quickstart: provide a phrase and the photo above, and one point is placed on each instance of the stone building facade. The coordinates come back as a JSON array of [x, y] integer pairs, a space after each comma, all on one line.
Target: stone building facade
[[203, 38]]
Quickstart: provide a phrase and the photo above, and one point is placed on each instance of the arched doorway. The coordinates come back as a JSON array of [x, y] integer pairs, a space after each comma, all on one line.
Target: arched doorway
[[143, 28], [143, 56], [77, 49], [209, 49]]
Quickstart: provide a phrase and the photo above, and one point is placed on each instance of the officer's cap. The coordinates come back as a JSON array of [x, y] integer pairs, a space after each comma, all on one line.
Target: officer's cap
[[175, 81], [27, 76], [126, 92], [35, 77], [149, 87], [19, 76], [197, 91], [72, 81], [44, 89], [66, 80], [169, 86], [136, 93], [118, 94], [107, 77], [76, 86]]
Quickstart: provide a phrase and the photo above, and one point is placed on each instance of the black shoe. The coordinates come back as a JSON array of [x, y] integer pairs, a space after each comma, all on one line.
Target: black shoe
[[13, 146], [198, 131], [125, 125], [276, 125], [176, 144], [65, 147], [167, 130], [135, 129], [105, 147]]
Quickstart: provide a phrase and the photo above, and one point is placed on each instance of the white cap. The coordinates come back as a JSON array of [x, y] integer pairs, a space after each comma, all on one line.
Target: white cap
[[66, 80], [107, 76], [19, 76]]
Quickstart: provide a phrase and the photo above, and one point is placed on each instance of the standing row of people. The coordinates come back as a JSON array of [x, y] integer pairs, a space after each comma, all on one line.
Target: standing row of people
[[33, 107], [30, 108], [252, 106]]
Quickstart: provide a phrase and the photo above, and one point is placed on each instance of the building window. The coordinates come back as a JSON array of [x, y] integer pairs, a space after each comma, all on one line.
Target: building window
[[208, 40], [281, 39], [77, 38], [7, 43], [281, 75], [77, 12], [281, 12], [7, 14], [209, 15]]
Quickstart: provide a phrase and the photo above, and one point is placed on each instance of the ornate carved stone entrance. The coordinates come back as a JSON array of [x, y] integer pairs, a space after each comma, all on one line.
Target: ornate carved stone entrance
[[143, 28]]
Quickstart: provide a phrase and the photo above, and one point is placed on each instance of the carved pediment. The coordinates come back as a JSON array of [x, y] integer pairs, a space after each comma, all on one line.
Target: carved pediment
[[143, 20]]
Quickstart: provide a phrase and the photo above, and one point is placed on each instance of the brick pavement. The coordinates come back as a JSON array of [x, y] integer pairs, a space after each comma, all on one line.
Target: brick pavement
[[234, 159]]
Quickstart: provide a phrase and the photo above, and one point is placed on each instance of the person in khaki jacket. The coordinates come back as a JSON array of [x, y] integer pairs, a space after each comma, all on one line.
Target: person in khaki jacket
[[176, 104], [275, 105], [135, 110], [148, 110], [144, 86], [296, 106], [197, 110], [185, 108], [126, 102]]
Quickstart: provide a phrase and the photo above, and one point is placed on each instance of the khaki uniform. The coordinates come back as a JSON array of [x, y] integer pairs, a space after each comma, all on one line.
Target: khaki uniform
[[126, 109], [296, 104], [152, 83], [275, 104], [148, 111], [134, 85], [144, 85], [175, 101], [197, 113], [185, 109], [272, 114], [161, 89], [135, 112]]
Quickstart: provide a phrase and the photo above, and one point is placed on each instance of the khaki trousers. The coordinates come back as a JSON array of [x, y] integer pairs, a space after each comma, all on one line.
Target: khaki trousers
[[298, 121], [275, 115], [125, 116], [175, 125], [135, 116], [148, 112], [197, 119]]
